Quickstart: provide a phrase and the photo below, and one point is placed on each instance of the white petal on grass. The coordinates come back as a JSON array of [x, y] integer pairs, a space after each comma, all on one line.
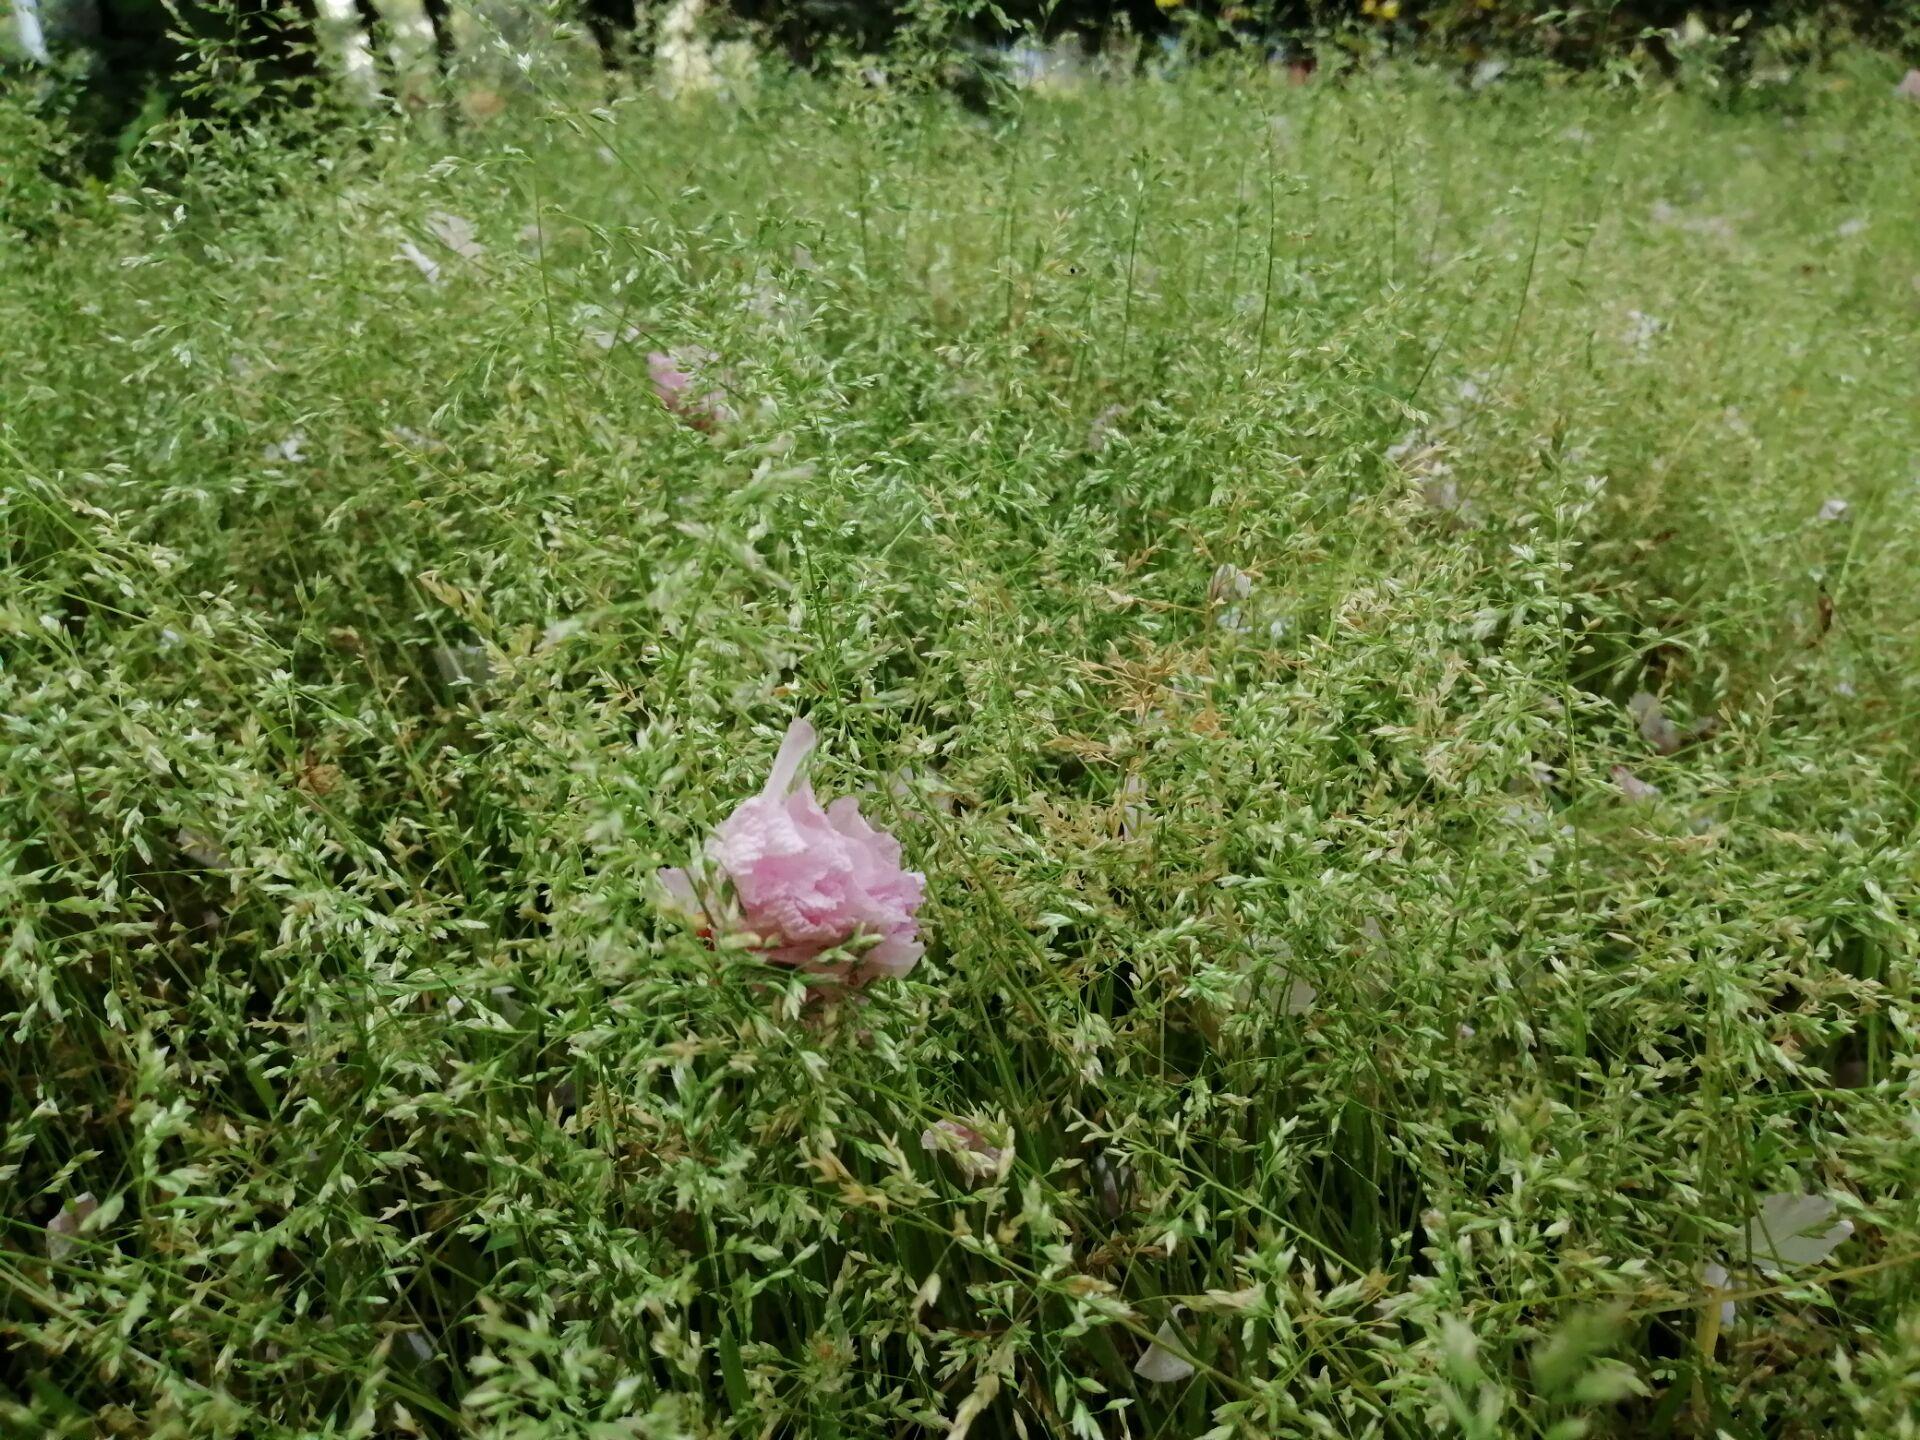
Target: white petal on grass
[[64, 1227], [1834, 509], [201, 851], [459, 664], [1632, 786], [416, 439], [1104, 427], [921, 788], [765, 300], [1442, 493], [1795, 1230], [420, 260], [1486, 73], [596, 323], [1715, 1278], [456, 233], [29, 32], [1113, 1184], [1133, 808], [1642, 328], [290, 451], [1048, 69], [1655, 728], [1161, 1365], [1229, 583]]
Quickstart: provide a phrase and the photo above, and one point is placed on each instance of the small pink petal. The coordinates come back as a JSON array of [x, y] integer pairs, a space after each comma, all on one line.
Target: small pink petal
[[1655, 728], [1632, 786], [976, 1156], [63, 1229], [456, 233], [678, 378]]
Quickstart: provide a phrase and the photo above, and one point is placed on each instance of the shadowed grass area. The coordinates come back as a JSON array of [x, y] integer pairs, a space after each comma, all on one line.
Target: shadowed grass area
[[1384, 615]]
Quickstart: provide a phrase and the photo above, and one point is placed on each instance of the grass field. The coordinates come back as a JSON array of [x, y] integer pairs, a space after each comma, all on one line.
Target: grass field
[[1385, 616]]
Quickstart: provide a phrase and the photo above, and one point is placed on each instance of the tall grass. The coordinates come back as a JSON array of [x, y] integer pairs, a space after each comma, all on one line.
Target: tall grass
[[1224, 527]]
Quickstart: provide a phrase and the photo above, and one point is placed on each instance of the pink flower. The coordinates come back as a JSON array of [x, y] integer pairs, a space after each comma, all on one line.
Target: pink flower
[[678, 376], [802, 881]]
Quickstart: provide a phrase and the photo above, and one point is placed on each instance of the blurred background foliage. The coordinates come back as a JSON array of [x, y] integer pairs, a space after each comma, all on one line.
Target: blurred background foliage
[[110, 69]]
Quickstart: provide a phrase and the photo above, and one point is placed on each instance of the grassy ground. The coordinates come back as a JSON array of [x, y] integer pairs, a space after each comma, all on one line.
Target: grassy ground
[[1224, 529]]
